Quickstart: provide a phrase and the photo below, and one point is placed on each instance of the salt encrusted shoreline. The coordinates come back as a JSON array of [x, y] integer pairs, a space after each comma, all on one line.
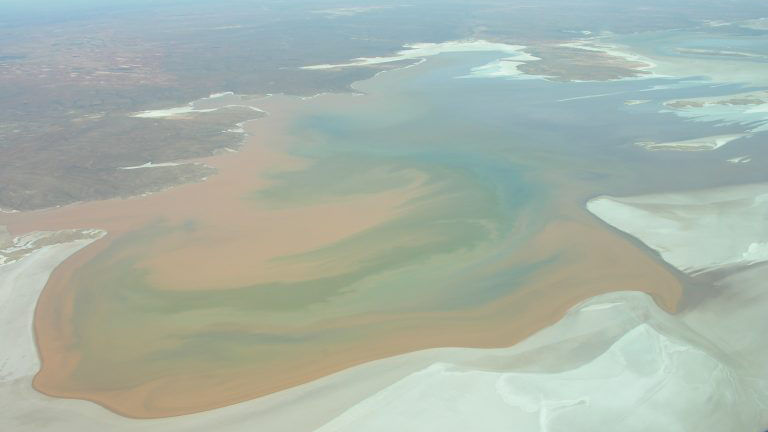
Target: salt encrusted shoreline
[[696, 144], [696, 231], [419, 51], [25, 266], [617, 354]]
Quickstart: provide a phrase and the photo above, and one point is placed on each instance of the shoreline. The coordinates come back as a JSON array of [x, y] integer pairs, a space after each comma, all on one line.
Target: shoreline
[[326, 406], [338, 402], [262, 152], [724, 212], [22, 280]]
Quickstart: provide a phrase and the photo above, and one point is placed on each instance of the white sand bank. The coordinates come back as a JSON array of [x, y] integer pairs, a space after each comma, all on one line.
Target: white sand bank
[[671, 58], [152, 165], [220, 94], [695, 231], [740, 160], [736, 321], [507, 67], [616, 362], [24, 271], [747, 109], [697, 144], [419, 51], [171, 112], [214, 102], [701, 230], [187, 109]]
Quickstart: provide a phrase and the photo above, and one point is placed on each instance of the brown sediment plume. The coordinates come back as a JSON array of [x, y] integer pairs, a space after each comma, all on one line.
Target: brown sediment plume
[[591, 260], [601, 262]]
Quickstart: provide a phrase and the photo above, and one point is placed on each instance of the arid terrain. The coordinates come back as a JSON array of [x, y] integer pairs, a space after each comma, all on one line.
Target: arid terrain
[[71, 76]]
